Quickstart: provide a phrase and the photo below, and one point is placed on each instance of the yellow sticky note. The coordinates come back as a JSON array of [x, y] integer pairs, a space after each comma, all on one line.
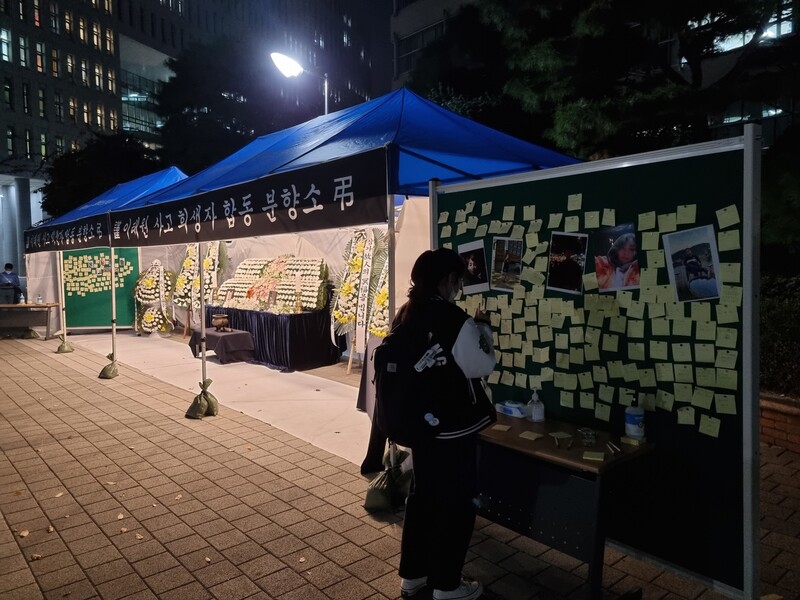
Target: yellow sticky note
[[529, 213], [664, 400], [567, 399], [650, 240], [610, 342], [659, 350], [725, 404], [636, 351], [521, 380], [702, 398], [655, 259], [636, 309], [656, 310], [704, 353], [727, 314], [665, 372], [592, 454], [572, 224], [659, 327], [517, 232], [509, 212], [683, 392], [726, 337], [667, 222], [461, 229], [585, 380], [687, 214], [609, 217], [507, 378], [684, 373], [701, 311], [728, 216], [727, 379], [494, 378], [590, 281], [706, 330], [480, 231], [606, 393], [469, 207], [446, 231], [531, 241], [647, 220], [647, 378], [530, 435], [709, 426], [499, 427], [730, 272], [648, 276], [574, 201], [599, 373], [706, 376], [682, 352], [554, 221], [602, 411], [591, 219], [636, 329], [726, 359], [461, 215], [443, 216], [686, 415], [728, 240], [486, 208], [615, 369], [586, 400]]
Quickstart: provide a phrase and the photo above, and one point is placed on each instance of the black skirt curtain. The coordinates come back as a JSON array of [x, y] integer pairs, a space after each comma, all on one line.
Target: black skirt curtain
[[293, 342]]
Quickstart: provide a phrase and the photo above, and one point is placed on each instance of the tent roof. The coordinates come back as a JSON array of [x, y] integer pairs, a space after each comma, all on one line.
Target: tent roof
[[425, 141], [120, 196]]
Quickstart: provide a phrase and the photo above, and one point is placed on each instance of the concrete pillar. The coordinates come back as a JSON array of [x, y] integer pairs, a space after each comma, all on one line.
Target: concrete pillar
[[8, 220], [23, 188]]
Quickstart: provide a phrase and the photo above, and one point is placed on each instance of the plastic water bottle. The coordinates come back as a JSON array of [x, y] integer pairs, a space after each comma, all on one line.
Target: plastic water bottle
[[22, 298], [634, 420], [39, 299], [535, 409]]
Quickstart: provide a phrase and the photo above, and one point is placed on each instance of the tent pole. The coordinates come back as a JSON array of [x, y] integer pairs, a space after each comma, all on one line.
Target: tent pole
[[433, 209], [113, 306], [65, 346], [391, 250], [200, 260]]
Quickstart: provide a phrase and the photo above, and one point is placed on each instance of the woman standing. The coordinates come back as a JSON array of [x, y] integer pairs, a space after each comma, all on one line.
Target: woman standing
[[440, 512]]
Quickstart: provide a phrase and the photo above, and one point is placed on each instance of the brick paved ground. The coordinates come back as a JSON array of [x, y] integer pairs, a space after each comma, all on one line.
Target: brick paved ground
[[121, 497]]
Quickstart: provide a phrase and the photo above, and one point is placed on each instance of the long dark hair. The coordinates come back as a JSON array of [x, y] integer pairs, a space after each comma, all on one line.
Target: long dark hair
[[430, 268]]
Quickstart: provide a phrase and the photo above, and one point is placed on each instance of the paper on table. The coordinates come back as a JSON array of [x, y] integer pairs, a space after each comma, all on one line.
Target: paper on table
[[560, 434], [531, 435], [593, 455], [499, 427]]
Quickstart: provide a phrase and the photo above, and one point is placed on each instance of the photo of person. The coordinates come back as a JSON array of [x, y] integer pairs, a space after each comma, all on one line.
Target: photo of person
[[476, 277], [693, 264], [567, 262], [615, 259], [506, 263]]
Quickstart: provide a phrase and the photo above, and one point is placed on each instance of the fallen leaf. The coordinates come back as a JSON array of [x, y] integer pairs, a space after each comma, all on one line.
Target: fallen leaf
[[208, 559], [155, 504], [24, 533], [36, 556], [120, 516], [66, 516], [123, 530], [139, 536], [59, 494], [50, 529], [178, 497], [302, 559]]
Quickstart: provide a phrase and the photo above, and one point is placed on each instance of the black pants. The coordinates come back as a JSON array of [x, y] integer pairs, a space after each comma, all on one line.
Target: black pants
[[440, 513]]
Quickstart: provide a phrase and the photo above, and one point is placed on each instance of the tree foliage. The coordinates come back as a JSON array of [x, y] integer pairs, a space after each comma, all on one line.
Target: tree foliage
[[222, 96], [77, 177]]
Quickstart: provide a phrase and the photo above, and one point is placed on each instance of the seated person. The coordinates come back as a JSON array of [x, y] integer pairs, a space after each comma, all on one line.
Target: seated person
[[10, 279]]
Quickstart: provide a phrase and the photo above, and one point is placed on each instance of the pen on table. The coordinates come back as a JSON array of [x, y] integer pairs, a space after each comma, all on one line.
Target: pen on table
[[555, 439], [570, 443]]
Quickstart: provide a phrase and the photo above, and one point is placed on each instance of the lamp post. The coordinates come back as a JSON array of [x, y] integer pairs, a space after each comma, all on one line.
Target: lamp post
[[291, 68]]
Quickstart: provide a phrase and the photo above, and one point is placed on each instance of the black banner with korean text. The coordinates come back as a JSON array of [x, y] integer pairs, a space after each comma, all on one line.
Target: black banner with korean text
[[90, 232], [341, 193]]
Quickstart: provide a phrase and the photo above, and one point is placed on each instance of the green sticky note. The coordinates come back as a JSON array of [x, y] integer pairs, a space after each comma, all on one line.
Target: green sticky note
[[730, 272], [618, 324], [727, 314], [659, 327], [686, 214], [659, 350], [709, 426], [706, 330], [647, 220], [602, 411], [702, 398], [636, 350], [728, 240], [606, 393], [727, 379], [599, 373], [665, 372], [655, 259], [728, 216], [567, 399], [704, 353], [684, 373], [682, 352], [647, 378], [701, 311], [706, 376], [667, 222], [574, 201], [725, 404], [591, 219], [682, 327], [726, 359], [593, 455], [610, 342], [530, 435], [636, 309], [586, 400], [686, 415], [635, 329], [650, 240], [609, 217], [664, 400], [726, 337]]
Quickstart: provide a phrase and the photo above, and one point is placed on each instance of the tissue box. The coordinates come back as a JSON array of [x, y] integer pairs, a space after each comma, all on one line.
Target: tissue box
[[512, 409]]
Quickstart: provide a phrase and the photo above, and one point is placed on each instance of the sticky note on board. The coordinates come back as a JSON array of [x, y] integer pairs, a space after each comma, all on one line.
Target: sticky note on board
[[686, 415], [728, 216], [461, 229], [659, 350], [706, 330], [655, 259], [664, 400], [554, 221], [529, 212], [480, 231], [727, 337], [667, 222], [728, 240], [647, 220], [606, 393], [684, 373], [702, 398], [469, 206], [602, 411], [728, 379], [730, 272], [461, 215], [725, 404], [517, 232], [574, 201], [704, 353], [591, 219], [709, 426], [650, 240], [609, 217], [486, 208], [567, 399], [509, 212], [686, 214], [727, 314], [446, 231], [726, 359], [472, 222], [572, 223], [443, 216]]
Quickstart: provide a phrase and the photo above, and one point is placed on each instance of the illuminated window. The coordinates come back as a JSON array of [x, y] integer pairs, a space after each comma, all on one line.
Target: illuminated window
[[40, 57], [112, 119], [108, 5], [28, 144], [55, 63], [82, 29], [37, 14], [5, 45], [26, 98], [111, 81], [98, 76], [59, 144], [110, 41], [43, 145], [87, 113], [96, 35], [85, 72], [10, 140], [70, 65], [21, 12], [55, 22], [23, 51], [68, 21], [58, 103], [73, 110], [74, 146], [8, 93], [42, 104], [100, 117]]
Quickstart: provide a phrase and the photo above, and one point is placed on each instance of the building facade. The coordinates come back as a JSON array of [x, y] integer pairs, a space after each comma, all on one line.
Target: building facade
[[72, 68]]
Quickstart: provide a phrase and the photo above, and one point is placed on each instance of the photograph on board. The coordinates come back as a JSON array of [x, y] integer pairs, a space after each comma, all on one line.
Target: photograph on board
[[476, 277], [615, 258], [506, 263], [693, 263], [567, 262]]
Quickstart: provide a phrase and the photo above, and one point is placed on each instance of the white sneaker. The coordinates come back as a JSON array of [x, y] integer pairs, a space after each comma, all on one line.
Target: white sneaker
[[409, 587], [468, 590]]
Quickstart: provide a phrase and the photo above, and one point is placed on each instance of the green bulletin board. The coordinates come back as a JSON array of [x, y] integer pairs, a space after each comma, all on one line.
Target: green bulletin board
[[592, 328], [87, 286]]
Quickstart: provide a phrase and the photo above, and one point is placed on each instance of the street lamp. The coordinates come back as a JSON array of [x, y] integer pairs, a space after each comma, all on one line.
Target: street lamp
[[291, 68]]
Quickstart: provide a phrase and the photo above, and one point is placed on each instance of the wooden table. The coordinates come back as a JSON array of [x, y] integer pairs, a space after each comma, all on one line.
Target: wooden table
[[551, 493], [229, 346], [25, 316]]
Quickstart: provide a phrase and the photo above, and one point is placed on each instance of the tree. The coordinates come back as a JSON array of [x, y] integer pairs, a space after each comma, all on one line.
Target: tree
[[222, 96], [75, 178], [616, 77]]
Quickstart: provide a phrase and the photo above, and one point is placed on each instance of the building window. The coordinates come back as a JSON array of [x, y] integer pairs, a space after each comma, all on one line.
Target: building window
[[28, 144], [21, 12], [59, 144], [96, 35], [409, 48], [74, 146], [26, 98], [85, 72], [82, 29], [87, 114], [59, 106], [5, 7], [108, 6], [10, 140], [8, 93], [100, 117], [110, 40], [43, 145], [71, 66], [112, 120], [98, 76], [40, 57], [55, 21], [111, 81], [42, 104], [73, 111], [5, 45], [55, 63], [23, 51], [37, 14], [68, 21]]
